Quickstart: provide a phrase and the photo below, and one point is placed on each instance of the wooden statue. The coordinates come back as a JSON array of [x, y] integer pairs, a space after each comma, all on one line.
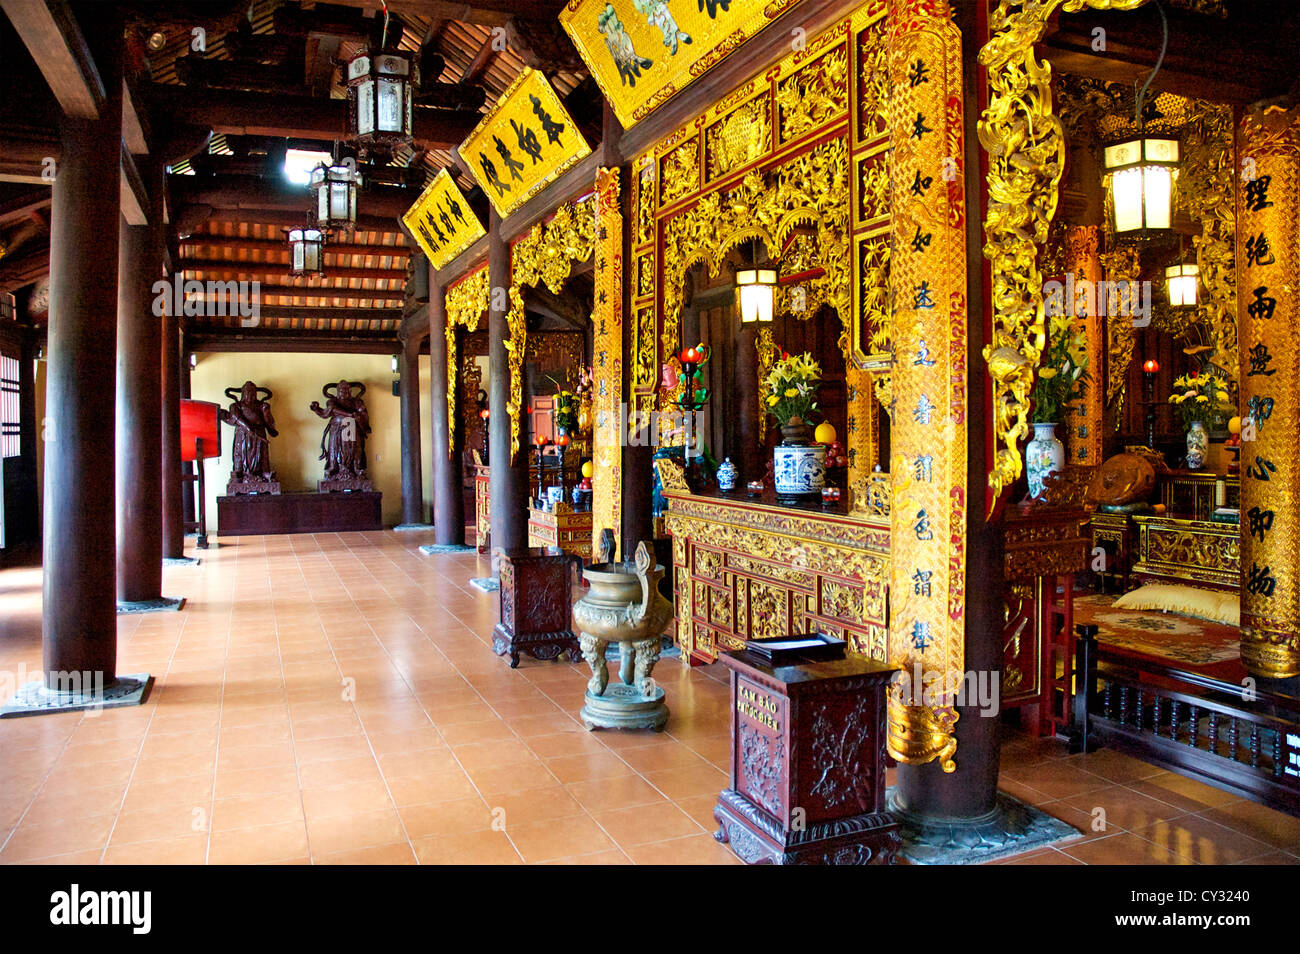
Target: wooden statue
[[343, 443], [250, 416]]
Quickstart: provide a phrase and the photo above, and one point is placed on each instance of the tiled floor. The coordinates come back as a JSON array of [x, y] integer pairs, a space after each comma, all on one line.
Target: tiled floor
[[333, 699]]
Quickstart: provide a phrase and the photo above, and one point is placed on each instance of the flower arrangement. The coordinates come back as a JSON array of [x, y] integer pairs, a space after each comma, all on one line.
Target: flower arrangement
[[566, 410], [1064, 370], [792, 389], [1202, 396]]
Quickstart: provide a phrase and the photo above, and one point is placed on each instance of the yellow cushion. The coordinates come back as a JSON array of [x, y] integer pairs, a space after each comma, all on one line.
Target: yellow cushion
[[1217, 606]]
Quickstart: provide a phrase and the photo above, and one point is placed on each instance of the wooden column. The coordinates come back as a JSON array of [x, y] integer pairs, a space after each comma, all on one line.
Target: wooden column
[[173, 515], [412, 479], [933, 800], [509, 478], [448, 498], [1268, 258], [638, 461], [79, 605], [139, 415]]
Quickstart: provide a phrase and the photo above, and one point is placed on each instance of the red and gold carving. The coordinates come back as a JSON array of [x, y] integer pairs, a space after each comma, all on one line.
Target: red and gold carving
[[1268, 262], [607, 368], [927, 281]]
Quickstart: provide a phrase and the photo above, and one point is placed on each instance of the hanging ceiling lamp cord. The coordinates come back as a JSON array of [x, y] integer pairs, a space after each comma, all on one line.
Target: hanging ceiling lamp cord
[[383, 40], [1140, 99]]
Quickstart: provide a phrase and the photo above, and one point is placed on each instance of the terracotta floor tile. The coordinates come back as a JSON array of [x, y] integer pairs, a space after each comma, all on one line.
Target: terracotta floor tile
[[558, 837], [598, 858], [451, 817], [267, 844], [681, 783], [467, 848], [582, 768], [183, 850], [434, 744], [644, 824], [1185, 793], [81, 834], [609, 794], [1202, 841], [1123, 808], [1259, 822], [346, 800], [395, 854], [533, 805], [340, 833], [254, 811], [698, 849]]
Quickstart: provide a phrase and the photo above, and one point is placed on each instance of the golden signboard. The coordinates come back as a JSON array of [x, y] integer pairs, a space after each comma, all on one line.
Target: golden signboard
[[441, 221], [643, 52], [523, 143]]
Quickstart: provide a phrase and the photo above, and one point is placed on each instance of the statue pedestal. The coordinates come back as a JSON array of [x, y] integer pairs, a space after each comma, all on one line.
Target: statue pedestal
[[298, 513], [346, 484], [250, 486]]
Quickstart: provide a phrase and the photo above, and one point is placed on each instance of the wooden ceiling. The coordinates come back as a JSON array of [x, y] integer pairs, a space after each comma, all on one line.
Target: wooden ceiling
[[269, 78]]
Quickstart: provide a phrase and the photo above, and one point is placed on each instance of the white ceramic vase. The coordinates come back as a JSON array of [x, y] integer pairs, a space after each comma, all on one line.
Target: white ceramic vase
[[1198, 445], [1043, 455]]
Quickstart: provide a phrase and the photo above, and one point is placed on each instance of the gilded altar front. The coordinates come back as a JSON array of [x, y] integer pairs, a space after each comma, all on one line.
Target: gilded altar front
[[748, 568], [1196, 552]]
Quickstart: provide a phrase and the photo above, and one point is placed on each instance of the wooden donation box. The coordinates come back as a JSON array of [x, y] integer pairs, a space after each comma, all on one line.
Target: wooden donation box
[[807, 762], [536, 605]]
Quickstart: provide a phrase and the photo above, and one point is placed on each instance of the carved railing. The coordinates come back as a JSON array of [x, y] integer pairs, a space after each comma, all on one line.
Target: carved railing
[[1236, 737]]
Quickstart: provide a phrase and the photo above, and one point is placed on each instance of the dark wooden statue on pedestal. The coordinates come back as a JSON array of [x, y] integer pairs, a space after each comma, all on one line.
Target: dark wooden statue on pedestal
[[807, 763], [343, 444], [250, 416], [536, 605]]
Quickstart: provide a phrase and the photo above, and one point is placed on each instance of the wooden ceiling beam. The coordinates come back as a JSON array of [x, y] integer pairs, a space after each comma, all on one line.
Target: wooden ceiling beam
[[280, 269], [50, 32], [207, 340], [242, 113], [189, 216], [20, 204], [483, 12], [474, 69], [17, 272], [325, 292], [235, 243]]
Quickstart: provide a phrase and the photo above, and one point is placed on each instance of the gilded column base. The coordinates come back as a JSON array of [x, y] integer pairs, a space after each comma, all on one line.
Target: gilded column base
[[1270, 655], [920, 734]]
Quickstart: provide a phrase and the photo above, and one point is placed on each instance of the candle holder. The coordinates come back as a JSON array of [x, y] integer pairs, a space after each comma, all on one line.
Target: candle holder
[[692, 361], [1150, 368]]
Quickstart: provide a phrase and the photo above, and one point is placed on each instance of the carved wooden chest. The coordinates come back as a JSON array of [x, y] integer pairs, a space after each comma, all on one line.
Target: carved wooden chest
[[807, 763]]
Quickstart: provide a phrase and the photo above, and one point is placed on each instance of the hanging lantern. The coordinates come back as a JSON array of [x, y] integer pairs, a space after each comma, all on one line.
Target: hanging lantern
[[335, 189], [381, 90], [1180, 285], [307, 251], [1140, 176], [755, 293]]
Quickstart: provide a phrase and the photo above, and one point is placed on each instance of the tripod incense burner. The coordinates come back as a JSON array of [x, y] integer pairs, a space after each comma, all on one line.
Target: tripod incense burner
[[623, 606]]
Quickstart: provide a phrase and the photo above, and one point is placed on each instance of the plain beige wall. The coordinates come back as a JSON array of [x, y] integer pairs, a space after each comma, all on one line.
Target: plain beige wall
[[296, 380]]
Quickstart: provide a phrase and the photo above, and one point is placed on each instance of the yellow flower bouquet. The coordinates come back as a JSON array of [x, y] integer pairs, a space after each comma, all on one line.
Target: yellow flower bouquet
[[791, 388], [1203, 397], [1063, 372]]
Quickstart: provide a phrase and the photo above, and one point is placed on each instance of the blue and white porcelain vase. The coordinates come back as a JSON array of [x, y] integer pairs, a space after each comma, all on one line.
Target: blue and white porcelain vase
[[1043, 455], [798, 465], [727, 476], [1198, 445]]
